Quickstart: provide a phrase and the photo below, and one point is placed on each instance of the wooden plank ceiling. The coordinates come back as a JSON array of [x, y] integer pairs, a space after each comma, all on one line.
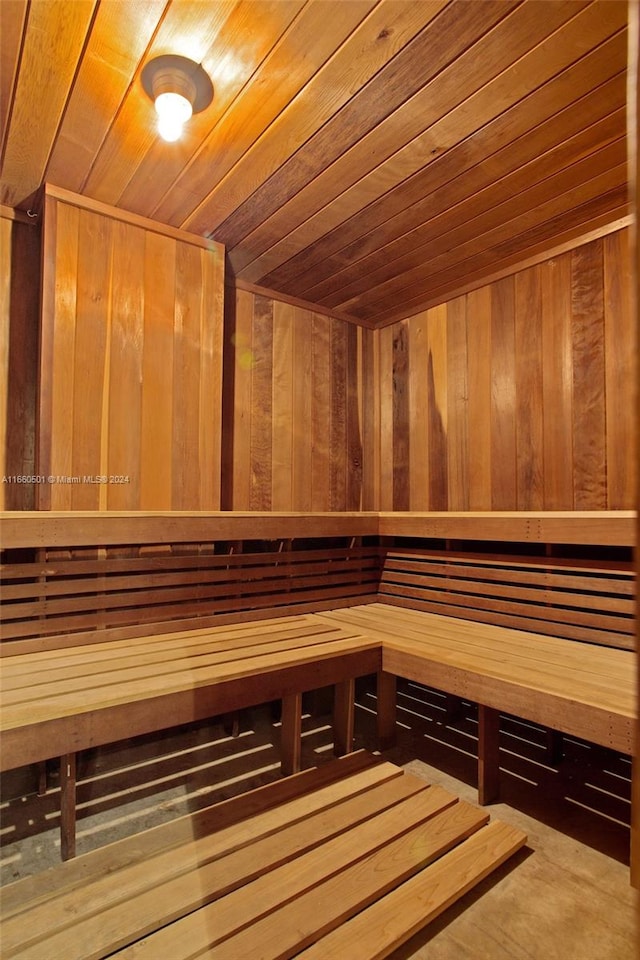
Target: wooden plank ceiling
[[369, 157]]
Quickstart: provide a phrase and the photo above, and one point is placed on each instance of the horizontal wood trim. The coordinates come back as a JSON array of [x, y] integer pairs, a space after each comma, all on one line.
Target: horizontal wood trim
[[601, 527], [79, 528], [125, 216], [64, 529], [10, 213]]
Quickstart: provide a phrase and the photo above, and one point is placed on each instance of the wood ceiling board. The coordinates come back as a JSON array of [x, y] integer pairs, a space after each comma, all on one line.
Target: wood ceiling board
[[371, 46], [608, 189], [586, 91], [437, 45], [12, 20], [453, 223], [462, 199], [315, 163], [54, 33], [591, 220], [188, 29], [274, 85], [233, 62], [411, 134], [119, 38]]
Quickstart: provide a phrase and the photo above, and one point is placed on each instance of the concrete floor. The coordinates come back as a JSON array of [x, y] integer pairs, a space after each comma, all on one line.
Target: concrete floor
[[566, 896]]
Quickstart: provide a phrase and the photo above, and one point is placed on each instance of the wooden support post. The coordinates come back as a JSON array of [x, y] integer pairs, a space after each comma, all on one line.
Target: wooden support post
[[343, 716], [68, 806], [488, 755], [231, 723], [291, 740], [452, 708], [43, 779], [555, 747], [387, 709], [635, 823]]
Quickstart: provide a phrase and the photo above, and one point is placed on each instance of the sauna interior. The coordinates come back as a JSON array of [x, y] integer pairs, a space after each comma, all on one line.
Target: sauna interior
[[357, 346]]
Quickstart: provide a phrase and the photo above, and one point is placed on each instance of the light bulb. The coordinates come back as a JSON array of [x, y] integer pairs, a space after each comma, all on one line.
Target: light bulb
[[173, 112]]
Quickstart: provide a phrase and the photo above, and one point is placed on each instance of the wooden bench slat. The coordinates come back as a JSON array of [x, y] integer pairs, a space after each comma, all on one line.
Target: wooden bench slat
[[380, 929], [503, 655], [363, 769], [208, 866], [178, 681], [100, 933], [319, 888], [128, 662]]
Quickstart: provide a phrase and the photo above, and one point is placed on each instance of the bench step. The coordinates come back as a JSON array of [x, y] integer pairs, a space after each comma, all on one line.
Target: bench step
[[306, 864]]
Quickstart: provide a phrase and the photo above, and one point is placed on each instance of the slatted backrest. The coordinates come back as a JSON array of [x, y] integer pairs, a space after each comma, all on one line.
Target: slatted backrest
[[578, 597], [57, 597]]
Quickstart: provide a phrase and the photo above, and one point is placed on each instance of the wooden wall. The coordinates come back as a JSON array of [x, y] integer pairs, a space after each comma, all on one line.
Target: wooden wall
[[299, 409], [19, 312], [131, 364], [518, 395]]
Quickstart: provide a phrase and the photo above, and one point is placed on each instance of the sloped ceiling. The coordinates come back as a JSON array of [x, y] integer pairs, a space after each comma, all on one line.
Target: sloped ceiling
[[370, 157]]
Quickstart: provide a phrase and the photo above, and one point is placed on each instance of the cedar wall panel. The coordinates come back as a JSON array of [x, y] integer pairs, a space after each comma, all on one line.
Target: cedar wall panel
[[131, 365], [19, 313], [299, 409], [517, 396]]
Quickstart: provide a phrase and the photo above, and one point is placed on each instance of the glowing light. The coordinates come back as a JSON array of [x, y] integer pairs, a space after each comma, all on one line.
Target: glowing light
[[173, 112]]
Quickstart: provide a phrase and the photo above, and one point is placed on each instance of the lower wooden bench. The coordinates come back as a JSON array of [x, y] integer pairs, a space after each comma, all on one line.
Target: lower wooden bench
[[346, 860]]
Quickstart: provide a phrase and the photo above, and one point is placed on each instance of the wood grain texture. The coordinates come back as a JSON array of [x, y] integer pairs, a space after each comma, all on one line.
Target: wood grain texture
[[298, 417], [19, 294], [132, 343], [533, 375], [373, 157]]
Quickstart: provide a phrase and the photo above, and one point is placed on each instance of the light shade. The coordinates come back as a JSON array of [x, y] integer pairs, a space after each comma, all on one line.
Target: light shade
[[179, 87]]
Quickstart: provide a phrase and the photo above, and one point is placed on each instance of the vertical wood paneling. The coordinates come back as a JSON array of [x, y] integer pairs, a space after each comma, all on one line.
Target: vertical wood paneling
[[418, 422], [5, 327], [299, 417], [131, 342], [437, 408], [370, 418], [261, 405], [353, 390], [125, 367], [20, 256], [587, 310], [536, 378], [528, 369], [320, 412], [503, 395], [93, 318], [157, 371], [338, 441], [479, 344], [242, 401], [621, 343], [401, 417], [557, 383], [386, 381], [457, 405], [283, 319], [302, 448]]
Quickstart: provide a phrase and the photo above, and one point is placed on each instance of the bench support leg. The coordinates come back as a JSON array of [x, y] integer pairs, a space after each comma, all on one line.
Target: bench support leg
[[554, 747], [387, 709], [344, 708], [68, 806], [488, 755], [635, 822], [291, 742]]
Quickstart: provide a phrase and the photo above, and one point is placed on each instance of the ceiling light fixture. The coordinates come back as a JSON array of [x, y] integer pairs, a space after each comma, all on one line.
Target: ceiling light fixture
[[179, 87]]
